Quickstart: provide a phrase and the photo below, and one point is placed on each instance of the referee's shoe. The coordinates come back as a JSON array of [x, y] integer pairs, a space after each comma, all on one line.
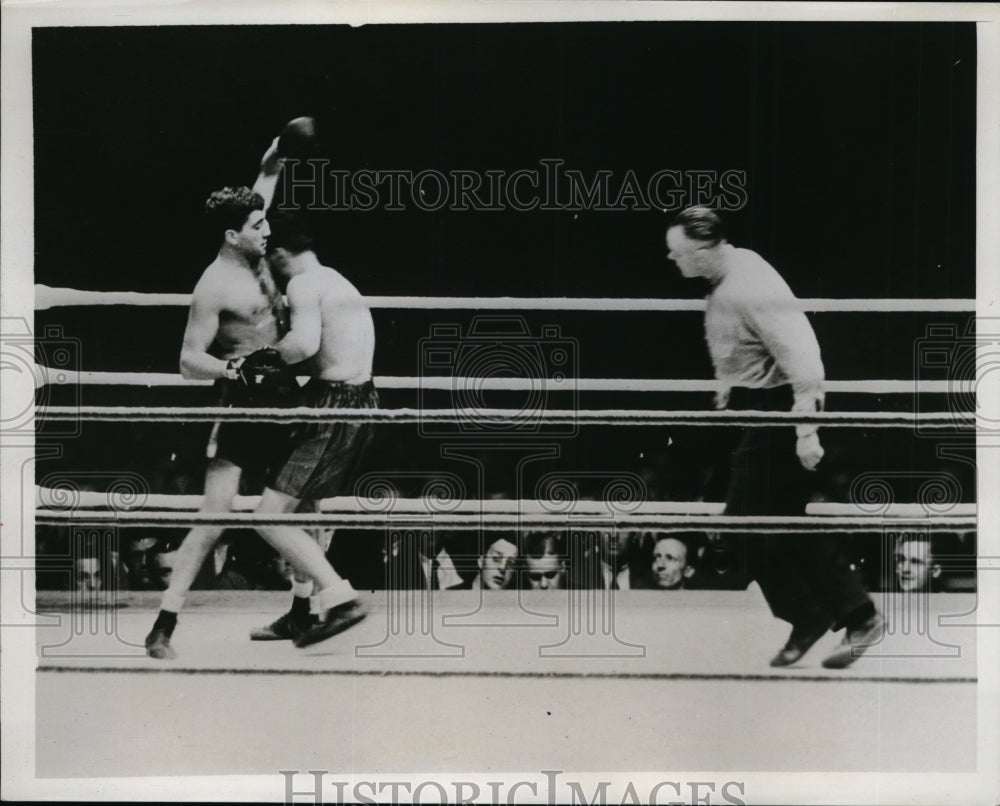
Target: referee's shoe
[[856, 640], [801, 641]]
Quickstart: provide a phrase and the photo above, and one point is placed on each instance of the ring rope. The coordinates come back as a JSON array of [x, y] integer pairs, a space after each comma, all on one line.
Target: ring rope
[[47, 297], [493, 522], [61, 498], [54, 376], [514, 417]]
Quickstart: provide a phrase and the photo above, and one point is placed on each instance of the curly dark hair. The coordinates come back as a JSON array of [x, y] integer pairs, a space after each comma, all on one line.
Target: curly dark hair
[[228, 208]]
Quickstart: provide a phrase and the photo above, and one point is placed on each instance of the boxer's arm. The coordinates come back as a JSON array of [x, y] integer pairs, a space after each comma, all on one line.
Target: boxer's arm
[[303, 340], [270, 170], [202, 326]]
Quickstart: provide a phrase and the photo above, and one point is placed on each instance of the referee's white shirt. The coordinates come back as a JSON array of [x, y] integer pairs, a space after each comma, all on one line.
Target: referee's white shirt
[[758, 338]]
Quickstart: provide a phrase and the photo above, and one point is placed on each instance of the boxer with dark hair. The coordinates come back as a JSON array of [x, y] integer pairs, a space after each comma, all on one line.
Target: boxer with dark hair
[[236, 315], [230, 208], [241, 333], [332, 339]]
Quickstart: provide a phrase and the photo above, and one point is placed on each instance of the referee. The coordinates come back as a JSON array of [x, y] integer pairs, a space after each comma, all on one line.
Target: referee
[[767, 358]]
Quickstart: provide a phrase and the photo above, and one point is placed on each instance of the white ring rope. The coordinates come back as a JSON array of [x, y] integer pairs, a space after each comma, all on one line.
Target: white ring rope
[[61, 498], [51, 376], [451, 521], [47, 297], [512, 418]]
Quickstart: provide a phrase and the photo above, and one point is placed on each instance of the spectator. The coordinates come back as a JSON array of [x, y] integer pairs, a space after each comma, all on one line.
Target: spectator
[[544, 561], [138, 564], [87, 576], [721, 564], [600, 559], [496, 565], [236, 571], [585, 569], [438, 568], [615, 555], [917, 567], [163, 567], [417, 560], [275, 574], [671, 565]]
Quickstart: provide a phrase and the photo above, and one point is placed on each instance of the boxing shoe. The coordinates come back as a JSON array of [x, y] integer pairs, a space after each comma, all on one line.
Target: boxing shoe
[[856, 641], [285, 628], [800, 641], [335, 620], [158, 645]]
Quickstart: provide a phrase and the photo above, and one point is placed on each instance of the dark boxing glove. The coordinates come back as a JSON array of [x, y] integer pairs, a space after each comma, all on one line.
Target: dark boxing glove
[[262, 371]]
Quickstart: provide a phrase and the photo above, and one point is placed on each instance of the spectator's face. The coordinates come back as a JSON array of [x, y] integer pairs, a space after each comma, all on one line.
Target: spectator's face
[[545, 572], [614, 545], [915, 566], [165, 568], [670, 566], [609, 545], [497, 565], [137, 563], [283, 568], [88, 574]]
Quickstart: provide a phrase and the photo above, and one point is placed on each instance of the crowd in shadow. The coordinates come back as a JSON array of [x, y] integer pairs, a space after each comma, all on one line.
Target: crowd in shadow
[[91, 560], [86, 559]]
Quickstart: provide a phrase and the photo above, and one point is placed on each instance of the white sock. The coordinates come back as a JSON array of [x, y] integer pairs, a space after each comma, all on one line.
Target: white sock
[[337, 594], [172, 602], [303, 589]]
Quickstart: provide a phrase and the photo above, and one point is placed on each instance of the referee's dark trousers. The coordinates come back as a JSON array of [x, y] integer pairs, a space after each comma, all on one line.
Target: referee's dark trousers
[[804, 577]]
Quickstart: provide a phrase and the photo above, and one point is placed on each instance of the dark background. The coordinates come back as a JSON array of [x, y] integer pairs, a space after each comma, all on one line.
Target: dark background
[[858, 143]]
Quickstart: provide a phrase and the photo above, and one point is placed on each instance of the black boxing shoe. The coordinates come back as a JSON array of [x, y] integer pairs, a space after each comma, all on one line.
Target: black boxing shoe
[[856, 640], [285, 628], [335, 620], [800, 641], [158, 645]]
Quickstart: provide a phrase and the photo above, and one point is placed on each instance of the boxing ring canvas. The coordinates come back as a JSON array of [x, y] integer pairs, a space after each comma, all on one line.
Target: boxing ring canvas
[[497, 183]]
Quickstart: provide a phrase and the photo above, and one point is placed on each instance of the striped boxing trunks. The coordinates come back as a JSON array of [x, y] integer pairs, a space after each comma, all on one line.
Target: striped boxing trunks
[[320, 458]]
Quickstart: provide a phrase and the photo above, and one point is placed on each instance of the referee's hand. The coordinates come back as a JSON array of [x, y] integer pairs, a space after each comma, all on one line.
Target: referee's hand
[[809, 450]]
